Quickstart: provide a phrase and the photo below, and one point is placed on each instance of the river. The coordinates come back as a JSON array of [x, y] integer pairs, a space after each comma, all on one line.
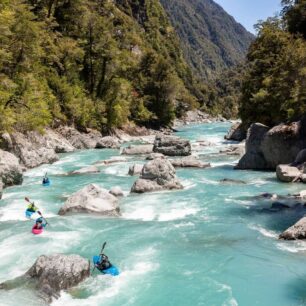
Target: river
[[209, 244]]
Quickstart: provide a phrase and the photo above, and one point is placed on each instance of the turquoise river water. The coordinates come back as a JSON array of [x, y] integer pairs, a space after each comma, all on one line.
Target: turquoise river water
[[209, 244]]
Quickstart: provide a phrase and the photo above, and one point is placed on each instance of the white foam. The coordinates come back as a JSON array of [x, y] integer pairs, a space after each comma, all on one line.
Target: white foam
[[105, 288], [263, 231], [176, 214], [292, 246]]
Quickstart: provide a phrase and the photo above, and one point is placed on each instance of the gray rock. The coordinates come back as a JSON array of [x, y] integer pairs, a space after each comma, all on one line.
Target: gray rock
[[79, 140], [281, 145], [236, 132], [286, 173], [138, 150], [108, 142], [32, 148], [87, 170], [157, 174], [234, 150], [135, 169], [116, 191], [172, 146], [58, 272], [297, 231], [189, 161], [91, 199], [10, 170], [254, 158], [279, 206]]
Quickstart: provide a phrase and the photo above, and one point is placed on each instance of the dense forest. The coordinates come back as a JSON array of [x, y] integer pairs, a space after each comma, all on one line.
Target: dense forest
[[94, 63], [211, 40], [274, 86]]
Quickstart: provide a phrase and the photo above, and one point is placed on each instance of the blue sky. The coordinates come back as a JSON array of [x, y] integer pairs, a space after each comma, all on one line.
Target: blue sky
[[248, 12]]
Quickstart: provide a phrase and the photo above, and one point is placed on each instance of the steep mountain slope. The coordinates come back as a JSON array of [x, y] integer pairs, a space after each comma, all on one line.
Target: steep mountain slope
[[211, 39], [89, 63]]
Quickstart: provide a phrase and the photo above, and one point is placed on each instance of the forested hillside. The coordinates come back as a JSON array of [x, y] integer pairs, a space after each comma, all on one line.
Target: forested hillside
[[210, 38], [274, 87], [90, 63]]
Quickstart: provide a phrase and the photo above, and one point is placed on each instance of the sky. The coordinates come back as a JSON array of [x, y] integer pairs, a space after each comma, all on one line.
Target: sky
[[248, 12]]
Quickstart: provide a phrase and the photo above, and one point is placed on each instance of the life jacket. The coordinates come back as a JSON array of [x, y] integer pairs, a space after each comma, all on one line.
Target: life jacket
[[104, 263], [32, 208]]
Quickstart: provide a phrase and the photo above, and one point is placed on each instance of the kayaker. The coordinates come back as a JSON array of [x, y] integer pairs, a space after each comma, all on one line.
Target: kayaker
[[104, 263], [39, 223], [32, 207], [46, 180]]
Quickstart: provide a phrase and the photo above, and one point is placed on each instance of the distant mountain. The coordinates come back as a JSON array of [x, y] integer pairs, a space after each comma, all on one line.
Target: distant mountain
[[211, 39]]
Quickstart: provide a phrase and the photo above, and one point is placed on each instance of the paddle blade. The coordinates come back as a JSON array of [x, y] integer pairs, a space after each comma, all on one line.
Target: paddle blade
[[103, 247]]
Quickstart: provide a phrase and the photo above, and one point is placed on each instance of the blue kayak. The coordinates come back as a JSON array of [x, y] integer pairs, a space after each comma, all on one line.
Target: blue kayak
[[46, 184], [29, 213], [111, 271]]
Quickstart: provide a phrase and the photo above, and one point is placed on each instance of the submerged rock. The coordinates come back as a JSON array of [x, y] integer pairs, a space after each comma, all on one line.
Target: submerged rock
[[172, 146], [189, 161], [10, 170], [157, 174], [297, 231], [138, 150], [91, 199], [232, 181], [286, 173], [87, 170], [112, 160], [135, 169]]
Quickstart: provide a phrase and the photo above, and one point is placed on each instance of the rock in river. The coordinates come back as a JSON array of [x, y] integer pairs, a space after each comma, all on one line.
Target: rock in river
[[157, 174], [87, 170], [51, 274], [91, 199], [137, 150], [286, 173], [189, 161], [297, 231], [172, 146]]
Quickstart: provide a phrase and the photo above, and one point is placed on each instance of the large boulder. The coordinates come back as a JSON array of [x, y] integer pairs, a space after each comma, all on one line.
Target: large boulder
[[189, 161], [10, 170], [254, 157], [282, 144], [32, 148], [286, 173], [138, 150], [87, 170], [266, 148], [157, 174], [91, 199], [237, 132], [172, 146], [58, 272], [297, 231]]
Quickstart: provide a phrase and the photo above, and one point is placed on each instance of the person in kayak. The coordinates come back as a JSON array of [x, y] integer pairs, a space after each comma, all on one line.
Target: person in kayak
[[40, 223], [32, 208], [104, 263], [46, 180]]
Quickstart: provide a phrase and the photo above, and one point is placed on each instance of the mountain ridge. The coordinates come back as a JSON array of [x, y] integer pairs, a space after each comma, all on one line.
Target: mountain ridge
[[213, 41]]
